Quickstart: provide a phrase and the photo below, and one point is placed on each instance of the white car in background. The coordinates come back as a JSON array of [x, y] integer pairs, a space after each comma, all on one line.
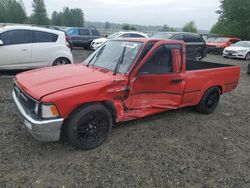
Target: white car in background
[[27, 47], [239, 50], [122, 34]]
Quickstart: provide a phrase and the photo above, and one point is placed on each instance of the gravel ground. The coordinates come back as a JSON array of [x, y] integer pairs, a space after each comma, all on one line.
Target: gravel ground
[[175, 149]]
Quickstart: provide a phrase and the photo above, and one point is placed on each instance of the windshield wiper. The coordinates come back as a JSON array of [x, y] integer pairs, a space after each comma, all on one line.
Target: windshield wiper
[[97, 56], [120, 61]]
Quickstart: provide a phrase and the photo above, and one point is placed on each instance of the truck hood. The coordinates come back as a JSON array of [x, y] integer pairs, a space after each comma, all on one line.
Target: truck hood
[[41, 82]]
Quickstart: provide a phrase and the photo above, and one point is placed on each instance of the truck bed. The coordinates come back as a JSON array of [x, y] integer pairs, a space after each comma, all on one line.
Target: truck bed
[[200, 65]]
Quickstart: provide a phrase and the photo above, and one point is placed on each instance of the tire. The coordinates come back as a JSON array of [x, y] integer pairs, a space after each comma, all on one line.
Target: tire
[[88, 127], [209, 101], [198, 56], [247, 56], [61, 61], [248, 69], [89, 46]]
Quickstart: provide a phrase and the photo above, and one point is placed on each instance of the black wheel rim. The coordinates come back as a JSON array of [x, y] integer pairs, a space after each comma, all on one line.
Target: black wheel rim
[[61, 62], [212, 99], [92, 128]]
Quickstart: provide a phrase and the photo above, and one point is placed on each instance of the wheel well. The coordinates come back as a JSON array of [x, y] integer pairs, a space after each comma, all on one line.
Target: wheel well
[[220, 88], [108, 104]]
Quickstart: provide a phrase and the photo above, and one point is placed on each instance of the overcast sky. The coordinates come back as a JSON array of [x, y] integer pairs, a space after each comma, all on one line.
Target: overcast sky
[[145, 12]]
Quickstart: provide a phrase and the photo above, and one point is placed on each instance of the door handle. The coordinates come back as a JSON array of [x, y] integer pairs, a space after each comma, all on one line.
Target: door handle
[[177, 81], [24, 50]]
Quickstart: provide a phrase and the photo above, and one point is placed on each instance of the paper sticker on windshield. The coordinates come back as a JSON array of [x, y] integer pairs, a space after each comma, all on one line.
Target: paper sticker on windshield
[[129, 45]]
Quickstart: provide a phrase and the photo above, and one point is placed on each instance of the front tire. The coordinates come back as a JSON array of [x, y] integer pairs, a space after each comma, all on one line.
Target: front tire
[[88, 127], [209, 101], [247, 56], [248, 69]]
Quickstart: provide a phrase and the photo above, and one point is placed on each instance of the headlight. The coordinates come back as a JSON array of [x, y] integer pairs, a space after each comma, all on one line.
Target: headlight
[[49, 111], [99, 43]]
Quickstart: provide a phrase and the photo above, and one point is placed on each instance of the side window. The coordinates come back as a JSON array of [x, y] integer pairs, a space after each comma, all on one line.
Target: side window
[[16, 37], [73, 32], [84, 32], [135, 35], [234, 41], [161, 62], [42, 37], [126, 35], [178, 37], [197, 39], [95, 33]]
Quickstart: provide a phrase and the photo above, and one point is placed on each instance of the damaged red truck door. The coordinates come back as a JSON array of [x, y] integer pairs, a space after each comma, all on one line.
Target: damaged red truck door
[[159, 83], [125, 79]]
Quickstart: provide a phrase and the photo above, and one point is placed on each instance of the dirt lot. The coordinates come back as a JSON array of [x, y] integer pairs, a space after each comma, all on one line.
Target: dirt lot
[[175, 149]]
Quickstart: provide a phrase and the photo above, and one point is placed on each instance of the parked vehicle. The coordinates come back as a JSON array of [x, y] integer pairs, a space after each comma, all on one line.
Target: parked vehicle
[[26, 47], [210, 40], [82, 37], [195, 44], [122, 34], [125, 79], [67, 36], [239, 50], [220, 44]]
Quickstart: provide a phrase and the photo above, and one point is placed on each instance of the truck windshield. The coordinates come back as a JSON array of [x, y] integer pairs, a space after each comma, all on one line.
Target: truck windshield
[[113, 53]]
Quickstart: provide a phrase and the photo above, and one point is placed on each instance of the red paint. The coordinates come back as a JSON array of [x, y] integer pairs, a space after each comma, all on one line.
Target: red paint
[[133, 96], [223, 45]]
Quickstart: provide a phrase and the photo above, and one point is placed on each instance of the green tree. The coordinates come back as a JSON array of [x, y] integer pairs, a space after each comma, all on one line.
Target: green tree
[[12, 11], [56, 18], [234, 19], [107, 25], [125, 27], [172, 29], [3, 10], [165, 28], [39, 15], [132, 28], [190, 27], [72, 17]]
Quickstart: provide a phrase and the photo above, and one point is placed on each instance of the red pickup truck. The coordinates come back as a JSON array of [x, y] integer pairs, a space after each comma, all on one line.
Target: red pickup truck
[[123, 80]]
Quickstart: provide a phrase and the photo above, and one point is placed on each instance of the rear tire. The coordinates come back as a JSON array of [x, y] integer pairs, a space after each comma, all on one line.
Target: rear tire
[[61, 61], [88, 127], [209, 101], [198, 56]]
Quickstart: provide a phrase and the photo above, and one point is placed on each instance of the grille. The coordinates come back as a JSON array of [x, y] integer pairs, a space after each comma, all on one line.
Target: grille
[[230, 51], [24, 99]]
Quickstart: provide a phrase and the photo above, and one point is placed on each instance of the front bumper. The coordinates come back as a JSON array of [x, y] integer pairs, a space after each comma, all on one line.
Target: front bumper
[[42, 130], [95, 46], [234, 55]]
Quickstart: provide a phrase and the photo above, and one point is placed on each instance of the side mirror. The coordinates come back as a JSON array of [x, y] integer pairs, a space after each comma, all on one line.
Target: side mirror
[[229, 43], [1, 43]]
